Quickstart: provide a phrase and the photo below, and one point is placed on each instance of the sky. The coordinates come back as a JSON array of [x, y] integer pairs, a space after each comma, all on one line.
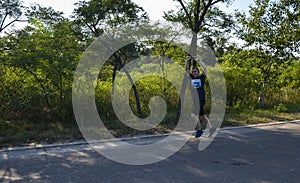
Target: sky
[[154, 8]]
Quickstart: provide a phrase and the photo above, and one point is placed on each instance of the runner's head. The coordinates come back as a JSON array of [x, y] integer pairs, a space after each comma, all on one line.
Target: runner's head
[[195, 71]]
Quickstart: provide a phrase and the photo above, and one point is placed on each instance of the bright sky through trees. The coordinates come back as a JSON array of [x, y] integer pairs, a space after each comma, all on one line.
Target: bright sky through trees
[[154, 8]]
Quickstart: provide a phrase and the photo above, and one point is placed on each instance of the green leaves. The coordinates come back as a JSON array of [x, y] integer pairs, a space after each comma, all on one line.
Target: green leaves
[[197, 14], [273, 26], [272, 30], [95, 15], [203, 17], [10, 12], [46, 51]]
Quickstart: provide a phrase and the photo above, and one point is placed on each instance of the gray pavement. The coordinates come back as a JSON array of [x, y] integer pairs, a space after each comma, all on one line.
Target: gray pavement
[[256, 154]]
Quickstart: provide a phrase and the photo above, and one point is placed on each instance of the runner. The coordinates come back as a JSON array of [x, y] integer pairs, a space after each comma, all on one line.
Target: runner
[[197, 82]]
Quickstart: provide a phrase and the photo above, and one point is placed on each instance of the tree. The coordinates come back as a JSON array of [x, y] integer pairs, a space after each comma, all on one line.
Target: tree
[[96, 15], [242, 76], [47, 49], [199, 16], [273, 29], [273, 26], [11, 11]]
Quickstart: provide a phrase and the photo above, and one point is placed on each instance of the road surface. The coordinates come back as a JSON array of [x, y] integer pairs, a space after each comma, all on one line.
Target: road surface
[[256, 154]]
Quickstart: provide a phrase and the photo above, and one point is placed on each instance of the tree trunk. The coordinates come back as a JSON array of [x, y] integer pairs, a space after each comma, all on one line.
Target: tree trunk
[[113, 79], [42, 86], [193, 47], [137, 98], [192, 51], [61, 91], [266, 79]]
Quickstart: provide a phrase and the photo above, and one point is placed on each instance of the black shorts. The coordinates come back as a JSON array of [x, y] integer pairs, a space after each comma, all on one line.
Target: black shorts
[[201, 111]]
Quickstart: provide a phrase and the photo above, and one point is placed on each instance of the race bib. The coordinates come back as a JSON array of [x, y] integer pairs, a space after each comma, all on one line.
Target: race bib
[[196, 83]]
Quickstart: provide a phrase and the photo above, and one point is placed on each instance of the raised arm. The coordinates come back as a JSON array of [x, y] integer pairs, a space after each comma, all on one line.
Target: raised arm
[[188, 65], [202, 65]]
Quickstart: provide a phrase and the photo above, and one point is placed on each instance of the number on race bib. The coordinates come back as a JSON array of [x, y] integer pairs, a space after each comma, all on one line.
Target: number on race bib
[[196, 83]]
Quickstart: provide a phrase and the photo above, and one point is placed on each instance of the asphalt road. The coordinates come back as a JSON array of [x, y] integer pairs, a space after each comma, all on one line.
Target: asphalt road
[[257, 154]]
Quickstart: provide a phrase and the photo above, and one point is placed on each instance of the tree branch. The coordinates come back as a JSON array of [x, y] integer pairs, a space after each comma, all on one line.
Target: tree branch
[[90, 27], [201, 18], [3, 20], [187, 14], [203, 2], [216, 2], [1, 29], [197, 13]]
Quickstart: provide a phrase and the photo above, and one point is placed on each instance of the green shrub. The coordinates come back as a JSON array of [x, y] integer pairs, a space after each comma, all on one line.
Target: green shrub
[[280, 108]]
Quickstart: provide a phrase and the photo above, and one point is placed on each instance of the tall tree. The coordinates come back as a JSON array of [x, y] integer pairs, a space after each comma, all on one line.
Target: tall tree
[[273, 29], [97, 15], [198, 16], [48, 49]]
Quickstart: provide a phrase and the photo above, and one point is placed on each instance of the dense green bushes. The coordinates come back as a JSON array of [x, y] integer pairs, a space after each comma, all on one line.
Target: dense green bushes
[[21, 93]]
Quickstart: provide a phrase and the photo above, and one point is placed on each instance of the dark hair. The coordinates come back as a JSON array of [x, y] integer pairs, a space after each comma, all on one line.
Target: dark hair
[[196, 68]]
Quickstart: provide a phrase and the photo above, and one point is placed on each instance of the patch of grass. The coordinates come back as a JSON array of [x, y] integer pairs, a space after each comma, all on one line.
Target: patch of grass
[[20, 132], [241, 117]]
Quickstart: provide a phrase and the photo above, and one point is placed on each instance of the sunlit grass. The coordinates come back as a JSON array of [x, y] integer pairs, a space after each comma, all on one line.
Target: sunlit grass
[[21, 132], [14, 132], [237, 117]]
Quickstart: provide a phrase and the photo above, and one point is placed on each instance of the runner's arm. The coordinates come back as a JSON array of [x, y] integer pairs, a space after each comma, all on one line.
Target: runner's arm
[[187, 65], [203, 66]]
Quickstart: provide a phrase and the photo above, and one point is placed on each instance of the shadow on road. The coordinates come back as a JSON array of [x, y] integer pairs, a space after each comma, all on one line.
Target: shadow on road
[[264, 154]]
